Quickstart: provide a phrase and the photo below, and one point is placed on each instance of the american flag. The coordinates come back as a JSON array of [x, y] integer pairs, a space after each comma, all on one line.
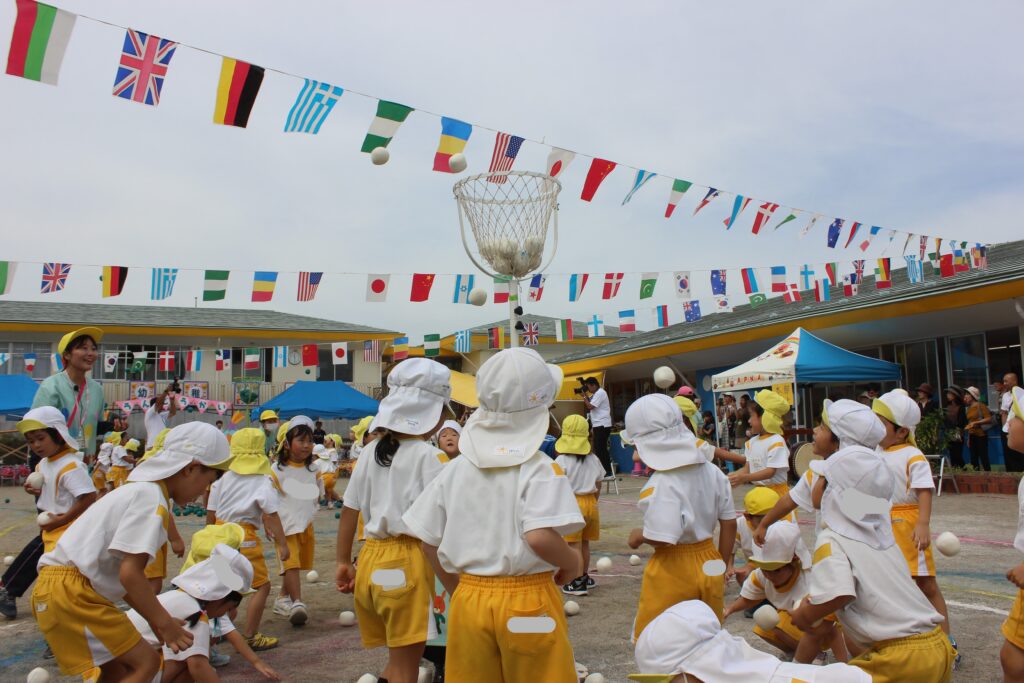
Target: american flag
[[55, 276], [144, 63], [308, 282], [371, 351], [531, 334], [506, 147]]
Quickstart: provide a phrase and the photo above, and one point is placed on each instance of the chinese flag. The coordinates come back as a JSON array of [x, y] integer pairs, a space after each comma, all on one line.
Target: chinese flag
[[310, 357], [421, 284], [599, 170], [946, 267]]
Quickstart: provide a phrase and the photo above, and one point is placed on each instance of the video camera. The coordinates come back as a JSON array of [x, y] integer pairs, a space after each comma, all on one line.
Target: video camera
[[175, 386], [582, 388]]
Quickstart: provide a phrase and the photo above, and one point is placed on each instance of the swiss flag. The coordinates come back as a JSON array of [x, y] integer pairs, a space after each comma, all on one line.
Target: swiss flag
[[339, 353], [310, 357]]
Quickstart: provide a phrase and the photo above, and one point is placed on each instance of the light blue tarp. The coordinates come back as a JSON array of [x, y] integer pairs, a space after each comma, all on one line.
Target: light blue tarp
[[320, 399], [16, 394]]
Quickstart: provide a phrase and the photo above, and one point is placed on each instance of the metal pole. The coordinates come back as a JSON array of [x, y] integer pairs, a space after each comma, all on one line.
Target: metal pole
[[513, 301]]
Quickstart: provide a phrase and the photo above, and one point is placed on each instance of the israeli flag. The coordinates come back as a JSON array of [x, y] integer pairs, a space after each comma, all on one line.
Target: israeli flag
[[280, 356]]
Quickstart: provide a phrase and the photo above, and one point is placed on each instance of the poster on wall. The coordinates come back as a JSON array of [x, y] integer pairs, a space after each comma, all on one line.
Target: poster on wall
[[196, 389], [143, 390], [247, 394]]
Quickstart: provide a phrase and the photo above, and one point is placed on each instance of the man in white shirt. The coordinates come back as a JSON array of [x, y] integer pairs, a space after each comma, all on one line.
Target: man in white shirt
[[154, 421], [1014, 459], [600, 411]]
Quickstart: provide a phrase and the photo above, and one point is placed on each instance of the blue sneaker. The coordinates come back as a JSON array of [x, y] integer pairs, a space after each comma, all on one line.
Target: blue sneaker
[[219, 659], [959, 657]]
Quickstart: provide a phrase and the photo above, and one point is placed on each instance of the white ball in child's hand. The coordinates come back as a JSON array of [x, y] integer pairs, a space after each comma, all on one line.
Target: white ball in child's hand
[[35, 480], [424, 675], [594, 678], [572, 608], [664, 377], [380, 155], [367, 678], [313, 576], [604, 564], [767, 617], [38, 675], [457, 163], [635, 560], [478, 296], [948, 544], [347, 618], [8, 560], [43, 518]]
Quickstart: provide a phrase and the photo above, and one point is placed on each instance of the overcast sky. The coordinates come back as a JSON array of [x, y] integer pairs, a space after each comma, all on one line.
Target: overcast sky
[[904, 115]]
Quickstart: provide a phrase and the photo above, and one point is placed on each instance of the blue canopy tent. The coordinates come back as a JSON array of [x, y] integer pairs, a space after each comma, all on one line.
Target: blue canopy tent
[[16, 394], [320, 399]]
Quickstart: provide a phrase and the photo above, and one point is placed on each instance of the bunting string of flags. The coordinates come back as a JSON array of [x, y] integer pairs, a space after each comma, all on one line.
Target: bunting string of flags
[[39, 45]]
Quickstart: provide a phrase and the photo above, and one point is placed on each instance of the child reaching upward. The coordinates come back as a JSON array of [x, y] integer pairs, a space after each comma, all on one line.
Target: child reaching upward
[[585, 473]]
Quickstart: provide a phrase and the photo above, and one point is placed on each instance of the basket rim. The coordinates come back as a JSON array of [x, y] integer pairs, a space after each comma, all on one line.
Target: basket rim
[[551, 191]]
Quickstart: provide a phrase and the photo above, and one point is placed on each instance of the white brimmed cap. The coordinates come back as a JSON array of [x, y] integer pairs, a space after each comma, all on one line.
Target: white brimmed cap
[[853, 423], [197, 441], [47, 417], [897, 407], [224, 571], [780, 543], [655, 425], [452, 425], [298, 421], [418, 389], [515, 387], [856, 502]]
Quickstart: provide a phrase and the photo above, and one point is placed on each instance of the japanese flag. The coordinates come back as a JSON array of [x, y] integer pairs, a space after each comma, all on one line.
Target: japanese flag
[[339, 353], [558, 159], [377, 287]]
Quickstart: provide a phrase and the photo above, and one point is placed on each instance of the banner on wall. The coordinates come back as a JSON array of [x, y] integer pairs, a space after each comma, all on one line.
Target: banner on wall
[[196, 389], [141, 390]]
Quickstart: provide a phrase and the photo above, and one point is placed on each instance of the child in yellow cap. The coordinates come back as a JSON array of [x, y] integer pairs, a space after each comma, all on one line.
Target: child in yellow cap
[[326, 471], [758, 502], [246, 496], [765, 459], [584, 472], [1012, 655]]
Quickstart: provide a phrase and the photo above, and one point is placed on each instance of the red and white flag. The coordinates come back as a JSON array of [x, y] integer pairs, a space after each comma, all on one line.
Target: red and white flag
[[558, 160], [792, 294], [339, 353], [764, 214], [506, 148], [166, 361], [377, 287], [308, 282], [612, 282]]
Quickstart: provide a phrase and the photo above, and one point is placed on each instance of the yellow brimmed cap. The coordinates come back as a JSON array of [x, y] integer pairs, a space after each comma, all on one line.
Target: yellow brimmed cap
[[157, 445], [575, 436], [775, 406], [247, 449], [65, 341], [759, 500], [268, 415], [359, 430]]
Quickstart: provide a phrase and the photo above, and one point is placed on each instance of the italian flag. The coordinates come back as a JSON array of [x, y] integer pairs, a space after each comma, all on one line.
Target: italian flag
[[563, 332], [7, 269], [41, 34], [252, 359], [390, 115], [679, 188]]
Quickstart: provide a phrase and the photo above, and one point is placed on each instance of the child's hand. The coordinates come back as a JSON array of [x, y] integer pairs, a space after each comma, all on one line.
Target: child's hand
[[172, 634], [1016, 576], [345, 577], [759, 534], [56, 521], [636, 538], [742, 573], [736, 478], [31, 491], [283, 551], [922, 536], [266, 671], [178, 546], [269, 534]]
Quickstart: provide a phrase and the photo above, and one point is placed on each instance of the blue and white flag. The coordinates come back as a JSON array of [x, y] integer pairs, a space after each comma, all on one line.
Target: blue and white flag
[[463, 341], [691, 310], [280, 356], [314, 103], [163, 283], [463, 286], [56, 363], [915, 269], [641, 179], [3, 358], [577, 281]]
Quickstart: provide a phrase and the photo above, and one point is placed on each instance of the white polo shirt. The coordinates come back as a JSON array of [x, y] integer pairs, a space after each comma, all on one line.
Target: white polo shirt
[[683, 505], [119, 457], [584, 473], [179, 605], [785, 598], [601, 413], [243, 498], [764, 451], [1006, 406], [65, 478], [910, 470], [299, 490]]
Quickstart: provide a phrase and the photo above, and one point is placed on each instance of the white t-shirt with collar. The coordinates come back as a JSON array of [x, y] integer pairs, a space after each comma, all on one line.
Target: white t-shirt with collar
[[300, 488], [243, 498], [179, 605], [601, 413], [65, 478], [1006, 406], [681, 506], [764, 451], [584, 474]]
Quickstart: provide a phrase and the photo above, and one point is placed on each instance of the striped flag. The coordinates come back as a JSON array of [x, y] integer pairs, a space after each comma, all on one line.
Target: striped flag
[[280, 356], [506, 147], [162, 285], [564, 331], [41, 35], [501, 290], [779, 279], [639, 181], [599, 170], [312, 106], [661, 313], [371, 351], [854, 229], [536, 290], [764, 214], [454, 136], [4, 357], [308, 283], [738, 205], [29, 359], [627, 320], [821, 290], [114, 278], [496, 337], [236, 92], [7, 269], [883, 274], [56, 362], [463, 341], [679, 188], [750, 285], [193, 360], [875, 229], [431, 345], [263, 283], [215, 285], [832, 273], [915, 269], [400, 348], [708, 198], [577, 282], [463, 286], [251, 359], [389, 116]]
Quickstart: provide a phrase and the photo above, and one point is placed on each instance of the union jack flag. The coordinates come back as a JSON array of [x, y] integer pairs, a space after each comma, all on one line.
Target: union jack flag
[[308, 282], [144, 63], [55, 276], [506, 148], [531, 334], [371, 351]]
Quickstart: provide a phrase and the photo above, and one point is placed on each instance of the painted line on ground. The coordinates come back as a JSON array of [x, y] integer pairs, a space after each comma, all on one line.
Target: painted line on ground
[[977, 608], [12, 527]]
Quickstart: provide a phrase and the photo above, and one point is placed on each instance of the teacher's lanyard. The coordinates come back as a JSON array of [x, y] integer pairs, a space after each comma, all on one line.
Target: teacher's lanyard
[[78, 400]]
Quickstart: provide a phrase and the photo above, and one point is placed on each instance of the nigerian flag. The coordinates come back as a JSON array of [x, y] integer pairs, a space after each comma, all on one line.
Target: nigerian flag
[[390, 116], [431, 345]]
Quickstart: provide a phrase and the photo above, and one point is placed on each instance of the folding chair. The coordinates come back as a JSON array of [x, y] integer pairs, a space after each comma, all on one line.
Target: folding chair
[[941, 475], [614, 481]]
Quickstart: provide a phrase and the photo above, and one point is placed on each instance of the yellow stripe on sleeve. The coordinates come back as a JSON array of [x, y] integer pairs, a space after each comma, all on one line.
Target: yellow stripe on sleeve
[[646, 493], [775, 445], [442, 458], [824, 551], [558, 469]]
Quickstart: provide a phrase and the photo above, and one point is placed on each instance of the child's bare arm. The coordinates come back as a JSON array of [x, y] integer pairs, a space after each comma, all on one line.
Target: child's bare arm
[[727, 540], [242, 647], [177, 543], [273, 524], [140, 596], [781, 509], [346, 574], [448, 580], [553, 549], [637, 539], [738, 605], [922, 532], [809, 616], [729, 456], [745, 476]]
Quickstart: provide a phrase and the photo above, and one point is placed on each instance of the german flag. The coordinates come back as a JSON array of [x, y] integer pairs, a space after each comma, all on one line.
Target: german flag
[[239, 84], [113, 280]]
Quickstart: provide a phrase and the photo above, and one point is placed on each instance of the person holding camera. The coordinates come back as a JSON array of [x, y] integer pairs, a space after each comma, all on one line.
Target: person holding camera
[[595, 400], [154, 421]]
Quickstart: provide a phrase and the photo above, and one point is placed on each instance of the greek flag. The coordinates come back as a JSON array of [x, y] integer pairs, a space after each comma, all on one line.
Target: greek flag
[[463, 341], [314, 103], [280, 356], [915, 269], [163, 283]]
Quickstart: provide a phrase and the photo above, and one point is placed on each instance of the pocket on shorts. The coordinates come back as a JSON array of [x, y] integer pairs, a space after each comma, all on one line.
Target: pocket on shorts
[[392, 579], [530, 631], [43, 610]]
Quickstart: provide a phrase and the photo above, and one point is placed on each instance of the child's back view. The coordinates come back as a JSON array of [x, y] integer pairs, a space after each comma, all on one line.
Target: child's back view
[[585, 473]]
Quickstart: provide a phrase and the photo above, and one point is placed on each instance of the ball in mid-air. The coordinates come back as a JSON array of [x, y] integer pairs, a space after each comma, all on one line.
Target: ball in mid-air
[[664, 377], [948, 544], [457, 163], [478, 296], [379, 156]]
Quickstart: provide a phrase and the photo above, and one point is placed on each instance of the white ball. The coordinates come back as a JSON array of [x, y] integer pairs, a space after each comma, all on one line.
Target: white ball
[[635, 560], [313, 576], [424, 675], [594, 678], [457, 163], [948, 544], [604, 564], [367, 678], [43, 518], [8, 560], [347, 618], [35, 480], [664, 377], [379, 156], [38, 675], [572, 608], [478, 296], [767, 617]]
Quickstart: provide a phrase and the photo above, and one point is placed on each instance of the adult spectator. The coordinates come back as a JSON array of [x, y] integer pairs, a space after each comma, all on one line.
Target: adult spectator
[[268, 420], [319, 434], [874, 390], [955, 421], [742, 422], [595, 399], [155, 421], [979, 419], [1014, 459], [926, 399]]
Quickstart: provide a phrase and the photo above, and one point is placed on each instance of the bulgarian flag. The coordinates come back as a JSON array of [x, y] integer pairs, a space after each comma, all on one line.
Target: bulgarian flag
[[563, 332], [679, 188], [390, 115], [41, 34]]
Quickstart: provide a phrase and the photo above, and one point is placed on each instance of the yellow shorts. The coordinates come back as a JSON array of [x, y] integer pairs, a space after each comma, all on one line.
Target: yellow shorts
[[117, 476], [50, 538], [252, 548], [84, 629], [485, 644], [394, 593], [924, 658], [592, 517], [99, 480], [1013, 627], [157, 569], [329, 480], [300, 551], [904, 519], [783, 490], [676, 573]]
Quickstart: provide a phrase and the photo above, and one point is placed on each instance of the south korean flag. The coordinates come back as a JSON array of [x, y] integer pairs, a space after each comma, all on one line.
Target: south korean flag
[[109, 362]]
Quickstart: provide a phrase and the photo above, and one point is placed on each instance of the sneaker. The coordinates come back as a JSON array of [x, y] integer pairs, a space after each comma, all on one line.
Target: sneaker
[[48, 653], [8, 607], [589, 581], [259, 642], [298, 615], [577, 586], [283, 606], [219, 659], [959, 657]]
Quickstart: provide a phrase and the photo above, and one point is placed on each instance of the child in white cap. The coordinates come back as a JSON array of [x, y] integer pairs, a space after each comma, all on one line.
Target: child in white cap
[[327, 470], [585, 473], [102, 556], [121, 462], [681, 503], [687, 644], [765, 459], [67, 490], [912, 494], [102, 465], [492, 524], [1012, 655], [394, 586], [448, 438], [860, 575]]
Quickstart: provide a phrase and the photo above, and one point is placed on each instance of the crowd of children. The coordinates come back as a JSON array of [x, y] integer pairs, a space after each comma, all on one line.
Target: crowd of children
[[470, 530]]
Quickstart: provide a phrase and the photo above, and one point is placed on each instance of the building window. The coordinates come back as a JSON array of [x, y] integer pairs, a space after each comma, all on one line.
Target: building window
[[920, 361], [327, 371], [260, 374], [968, 363], [16, 365], [1003, 353]]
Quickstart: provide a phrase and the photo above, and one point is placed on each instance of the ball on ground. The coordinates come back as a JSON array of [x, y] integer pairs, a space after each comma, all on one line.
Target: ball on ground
[[380, 155], [948, 544], [594, 678], [313, 576], [604, 564], [664, 377], [635, 560], [347, 618], [767, 617], [43, 518], [367, 678], [38, 675], [8, 560], [34, 480], [457, 163], [478, 296], [572, 608]]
